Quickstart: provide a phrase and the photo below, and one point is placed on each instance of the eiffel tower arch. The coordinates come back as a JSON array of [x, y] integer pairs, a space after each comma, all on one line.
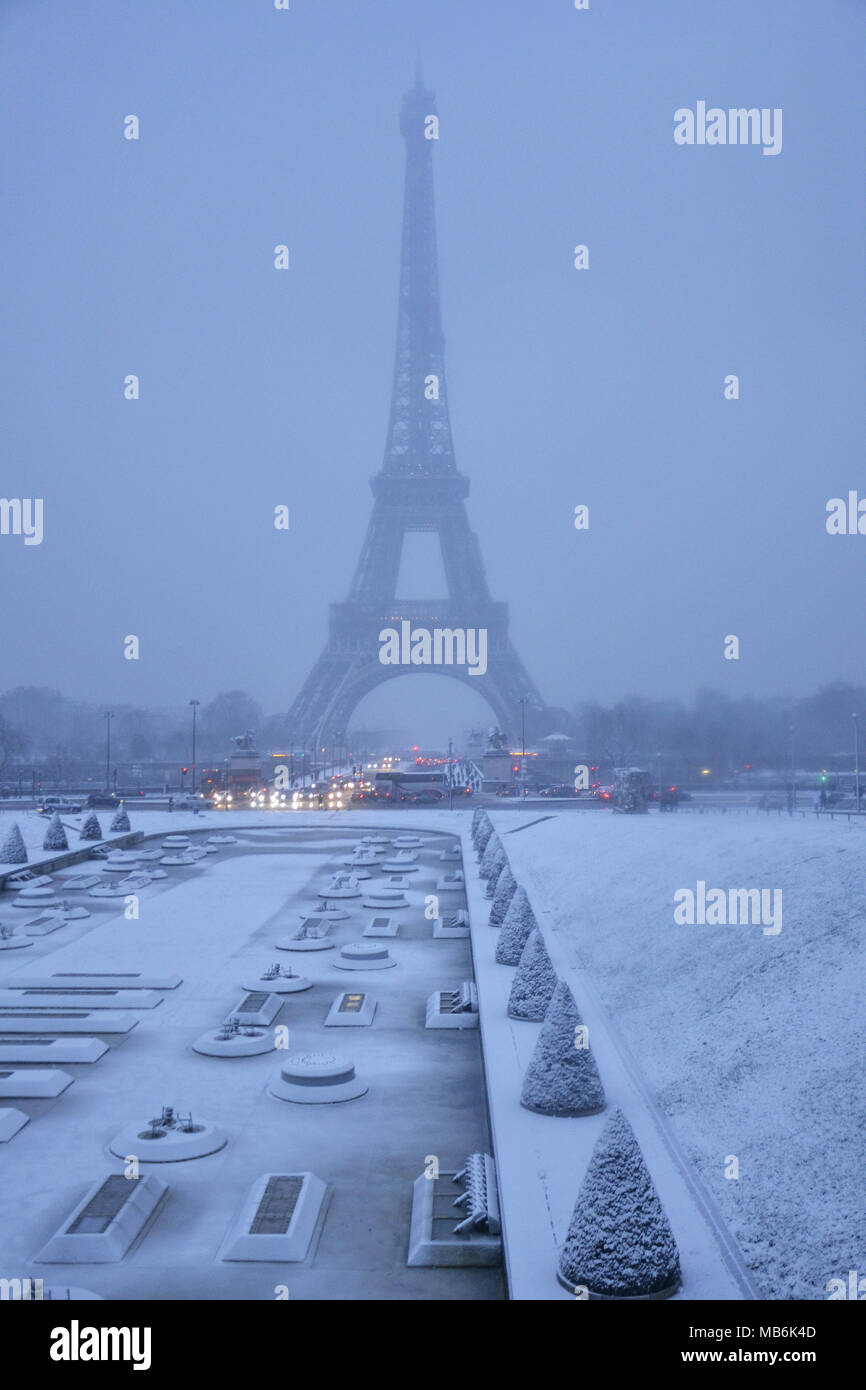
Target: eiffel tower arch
[[418, 488]]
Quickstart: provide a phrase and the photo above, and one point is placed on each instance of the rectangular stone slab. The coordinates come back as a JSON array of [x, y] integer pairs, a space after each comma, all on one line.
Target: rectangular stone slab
[[78, 997], [104, 1224], [380, 925], [278, 1219], [68, 1021], [75, 979], [10, 1122], [91, 998], [257, 1007], [52, 1049], [33, 1083], [351, 1009]]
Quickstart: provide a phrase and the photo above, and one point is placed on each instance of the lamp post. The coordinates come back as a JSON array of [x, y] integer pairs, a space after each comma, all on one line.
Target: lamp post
[[523, 701], [856, 719], [659, 756], [108, 718], [195, 704], [792, 800], [450, 776]]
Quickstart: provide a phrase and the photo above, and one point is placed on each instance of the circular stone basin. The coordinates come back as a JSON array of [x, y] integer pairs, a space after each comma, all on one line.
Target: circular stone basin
[[375, 840], [407, 842], [250, 1044], [73, 914], [179, 859], [363, 861], [36, 897], [399, 866], [386, 897], [293, 984], [339, 892], [364, 955], [333, 914], [317, 1078], [221, 840], [306, 943], [13, 943], [172, 1145], [176, 842]]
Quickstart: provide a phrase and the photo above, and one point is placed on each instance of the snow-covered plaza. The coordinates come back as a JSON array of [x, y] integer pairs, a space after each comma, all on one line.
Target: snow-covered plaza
[[732, 1050]]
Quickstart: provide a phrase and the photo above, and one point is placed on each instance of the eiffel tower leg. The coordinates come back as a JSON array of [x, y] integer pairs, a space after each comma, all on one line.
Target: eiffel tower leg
[[340, 680]]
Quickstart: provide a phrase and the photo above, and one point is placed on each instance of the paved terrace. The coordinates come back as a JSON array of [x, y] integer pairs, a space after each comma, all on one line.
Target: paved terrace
[[215, 925]]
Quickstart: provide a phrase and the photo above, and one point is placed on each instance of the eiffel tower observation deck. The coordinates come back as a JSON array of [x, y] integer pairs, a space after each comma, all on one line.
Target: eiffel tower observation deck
[[418, 488]]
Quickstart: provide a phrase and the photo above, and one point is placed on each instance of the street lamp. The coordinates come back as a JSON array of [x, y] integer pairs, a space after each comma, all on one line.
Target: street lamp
[[792, 800], [195, 704], [108, 718], [856, 719], [450, 776], [523, 702]]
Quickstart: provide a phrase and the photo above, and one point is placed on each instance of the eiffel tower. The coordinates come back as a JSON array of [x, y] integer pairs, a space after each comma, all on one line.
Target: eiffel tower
[[417, 489]]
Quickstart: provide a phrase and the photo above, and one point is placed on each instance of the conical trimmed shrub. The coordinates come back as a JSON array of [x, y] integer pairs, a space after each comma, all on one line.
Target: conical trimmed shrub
[[120, 821], [562, 1077], [91, 829], [493, 879], [505, 890], [55, 835], [620, 1243], [493, 857], [518, 923], [13, 850], [482, 839], [533, 984]]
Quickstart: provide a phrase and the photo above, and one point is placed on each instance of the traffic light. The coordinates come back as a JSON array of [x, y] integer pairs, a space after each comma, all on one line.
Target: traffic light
[[185, 770]]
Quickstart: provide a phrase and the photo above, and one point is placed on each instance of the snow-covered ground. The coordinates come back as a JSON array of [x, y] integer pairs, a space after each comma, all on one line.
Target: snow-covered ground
[[216, 924], [751, 1043]]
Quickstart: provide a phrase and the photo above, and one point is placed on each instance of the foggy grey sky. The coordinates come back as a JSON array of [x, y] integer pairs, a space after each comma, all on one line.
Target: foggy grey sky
[[602, 387]]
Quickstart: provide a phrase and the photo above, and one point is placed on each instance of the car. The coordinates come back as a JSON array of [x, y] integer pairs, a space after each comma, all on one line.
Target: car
[[424, 796], [102, 801], [52, 805]]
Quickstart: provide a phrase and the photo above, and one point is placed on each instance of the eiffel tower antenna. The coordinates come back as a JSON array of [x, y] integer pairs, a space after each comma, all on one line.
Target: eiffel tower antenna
[[418, 488]]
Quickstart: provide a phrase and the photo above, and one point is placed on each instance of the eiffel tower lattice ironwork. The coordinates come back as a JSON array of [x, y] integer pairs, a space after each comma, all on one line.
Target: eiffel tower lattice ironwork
[[417, 489]]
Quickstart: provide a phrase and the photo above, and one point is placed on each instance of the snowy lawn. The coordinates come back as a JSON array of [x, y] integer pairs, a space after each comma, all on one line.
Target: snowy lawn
[[752, 1043]]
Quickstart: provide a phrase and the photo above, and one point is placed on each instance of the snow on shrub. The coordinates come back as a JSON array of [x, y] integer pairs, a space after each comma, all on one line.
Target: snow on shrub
[[480, 823], [518, 923], [91, 829], [482, 839], [13, 850], [493, 857], [619, 1243], [562, 1077], [120, 821], [493, 880], [534, 982], [504, 892], [55, 835]]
